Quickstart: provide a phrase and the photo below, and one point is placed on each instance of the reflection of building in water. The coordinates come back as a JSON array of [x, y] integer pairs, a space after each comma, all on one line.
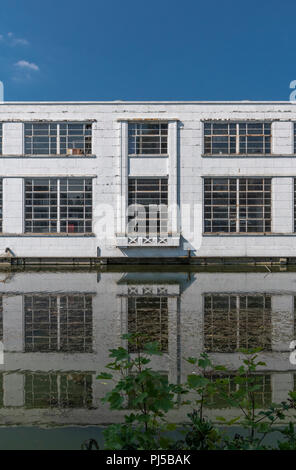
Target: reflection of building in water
[[58, 322], [58, 328], [237, 321]]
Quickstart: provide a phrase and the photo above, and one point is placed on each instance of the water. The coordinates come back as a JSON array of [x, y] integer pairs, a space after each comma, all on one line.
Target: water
[[57, 329]]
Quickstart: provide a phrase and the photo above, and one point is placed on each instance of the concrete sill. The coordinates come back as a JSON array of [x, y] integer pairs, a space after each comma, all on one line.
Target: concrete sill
[[48, 156], [248, 234], [153, 155], [255, 155], [49, 235], [147, 242]]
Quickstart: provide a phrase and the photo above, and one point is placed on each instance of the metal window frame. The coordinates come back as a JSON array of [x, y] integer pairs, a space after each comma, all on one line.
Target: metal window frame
[[58, 136], [50, 193], [58, 206], [138, 128], [1, 138], [237, 137], [133, 200], [1, 205], [227, 207]]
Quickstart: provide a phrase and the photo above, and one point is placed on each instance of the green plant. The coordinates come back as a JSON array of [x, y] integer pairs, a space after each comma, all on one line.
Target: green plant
[[145, 394]]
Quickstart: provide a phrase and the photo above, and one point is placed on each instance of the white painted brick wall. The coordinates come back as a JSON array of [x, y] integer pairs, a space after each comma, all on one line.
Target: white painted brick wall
[[110, 176]]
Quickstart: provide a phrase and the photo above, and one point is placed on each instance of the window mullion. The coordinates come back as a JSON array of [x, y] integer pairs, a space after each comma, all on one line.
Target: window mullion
[[58, 140], [237, 206], [58, 207]]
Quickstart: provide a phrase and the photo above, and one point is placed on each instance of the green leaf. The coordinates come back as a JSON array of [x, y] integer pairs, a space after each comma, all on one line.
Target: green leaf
[[196, 381], [105, 376], [152, 348], [119, 353], [191, 360]]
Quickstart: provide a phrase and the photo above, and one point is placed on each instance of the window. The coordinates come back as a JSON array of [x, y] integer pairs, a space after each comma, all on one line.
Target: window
[[1, 318], [41, 205], [58, 205], [230, 138], [58, 138], [1, 139], [40, 139], [237, 321], [239, 205], [75, 205], [58, 323], [147, 138], [294, 204], [58, 389], [1, 204], [149, 315], [149, 196], [75, 139]]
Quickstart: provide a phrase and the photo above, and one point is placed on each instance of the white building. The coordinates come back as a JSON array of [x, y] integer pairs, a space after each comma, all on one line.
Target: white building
[[220, 173]]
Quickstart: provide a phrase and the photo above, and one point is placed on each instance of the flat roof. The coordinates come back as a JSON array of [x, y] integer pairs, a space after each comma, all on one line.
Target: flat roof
[[145, 102]]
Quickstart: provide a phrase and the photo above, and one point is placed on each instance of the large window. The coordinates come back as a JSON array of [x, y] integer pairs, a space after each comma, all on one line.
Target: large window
[[41, 205], [58, 138], [1, 318], [230, 138], [147, 138], [58, 323], [237, 321], [75, 205], [75, 138], [294, 204], [1, 204], [148, 199], [58, 205], [241, 205], [1, 139]]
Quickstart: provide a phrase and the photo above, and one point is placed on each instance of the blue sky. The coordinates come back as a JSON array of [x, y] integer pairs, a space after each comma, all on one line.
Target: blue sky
[[146, 50]]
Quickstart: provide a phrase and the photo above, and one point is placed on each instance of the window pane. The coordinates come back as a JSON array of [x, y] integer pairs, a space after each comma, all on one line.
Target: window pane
[[40, 205], [253, 212], [149, 197], [147, 138]]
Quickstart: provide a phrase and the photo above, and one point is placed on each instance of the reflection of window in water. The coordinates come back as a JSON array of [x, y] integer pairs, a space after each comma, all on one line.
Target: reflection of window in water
[[237, 321], [1, 319], [58, 323], [1, 390], [149, 315], [58, 389], [263, 396]]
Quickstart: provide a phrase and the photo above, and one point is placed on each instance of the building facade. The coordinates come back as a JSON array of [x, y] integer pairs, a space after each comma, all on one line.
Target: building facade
[[148, 179]]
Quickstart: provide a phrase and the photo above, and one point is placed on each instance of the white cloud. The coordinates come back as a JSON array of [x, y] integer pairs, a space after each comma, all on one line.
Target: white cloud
[[25, 65], [12, 40]]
